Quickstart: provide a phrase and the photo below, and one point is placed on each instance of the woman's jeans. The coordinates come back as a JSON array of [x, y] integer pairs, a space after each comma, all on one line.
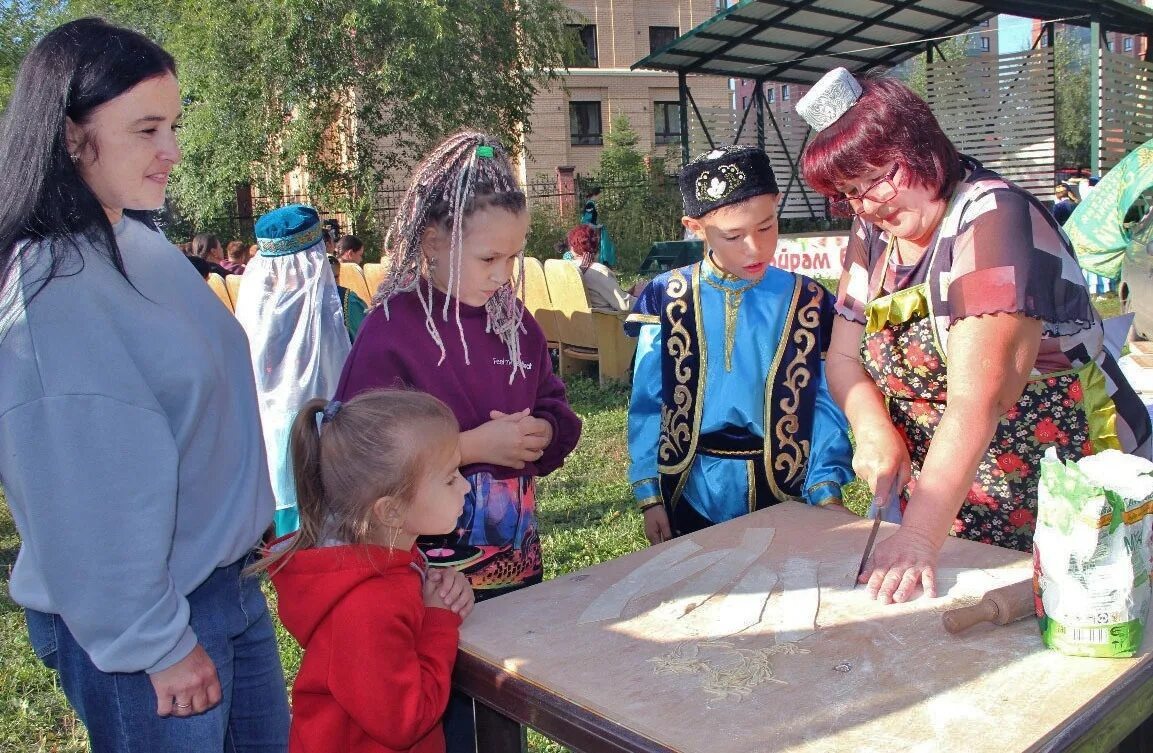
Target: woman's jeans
[[231, 621]]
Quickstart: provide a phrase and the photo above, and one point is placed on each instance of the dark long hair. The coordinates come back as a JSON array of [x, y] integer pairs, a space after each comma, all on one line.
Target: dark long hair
[[74, 69]]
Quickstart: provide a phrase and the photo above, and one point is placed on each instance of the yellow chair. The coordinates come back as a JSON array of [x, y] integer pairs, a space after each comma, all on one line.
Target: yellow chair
[[352, 277], [537, 300], [216, 282], [586, 335], [232, 282], [373, 276]]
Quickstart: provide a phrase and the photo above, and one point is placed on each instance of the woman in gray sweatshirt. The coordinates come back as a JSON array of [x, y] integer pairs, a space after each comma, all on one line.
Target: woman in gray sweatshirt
[[130, 445]]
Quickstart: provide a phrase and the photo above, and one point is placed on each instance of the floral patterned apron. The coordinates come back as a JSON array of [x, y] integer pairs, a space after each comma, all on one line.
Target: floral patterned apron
[[901, 352]]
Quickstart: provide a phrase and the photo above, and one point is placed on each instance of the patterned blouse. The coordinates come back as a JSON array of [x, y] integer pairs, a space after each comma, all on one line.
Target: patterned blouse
[[997, 250]]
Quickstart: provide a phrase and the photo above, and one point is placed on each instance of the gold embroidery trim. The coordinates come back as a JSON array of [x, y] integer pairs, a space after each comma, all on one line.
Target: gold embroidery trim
[[771, 379], [751, 480], [730, 453], [676, 424], [676, 428], [732, 309], [648, 502], [835, 497], [793, 455]]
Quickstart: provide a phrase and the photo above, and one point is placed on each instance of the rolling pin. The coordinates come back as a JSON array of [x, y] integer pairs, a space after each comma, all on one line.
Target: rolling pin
[[1000, 606]]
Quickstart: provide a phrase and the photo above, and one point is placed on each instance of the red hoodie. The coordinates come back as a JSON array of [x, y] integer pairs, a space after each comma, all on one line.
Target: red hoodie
[[377, 663]]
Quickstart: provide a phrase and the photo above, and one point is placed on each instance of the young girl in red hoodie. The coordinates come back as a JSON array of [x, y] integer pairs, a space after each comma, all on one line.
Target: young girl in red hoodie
[[379, 629]]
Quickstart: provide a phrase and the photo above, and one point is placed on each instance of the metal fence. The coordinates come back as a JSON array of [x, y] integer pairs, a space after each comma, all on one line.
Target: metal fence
[[540, 193]]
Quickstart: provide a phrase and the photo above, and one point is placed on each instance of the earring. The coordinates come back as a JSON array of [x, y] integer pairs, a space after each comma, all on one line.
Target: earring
[[75, 157]]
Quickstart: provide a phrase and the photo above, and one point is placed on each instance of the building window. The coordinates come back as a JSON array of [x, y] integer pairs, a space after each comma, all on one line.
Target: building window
[[784, 92], [581, 49], [771, 94], [1127, 44], [984, 44], [584, 123], [662, 36], [744, 103], [787, 119], [667, 122]]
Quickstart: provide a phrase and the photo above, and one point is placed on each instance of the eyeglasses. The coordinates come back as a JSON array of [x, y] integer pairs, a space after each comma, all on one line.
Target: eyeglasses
[[878, 193]]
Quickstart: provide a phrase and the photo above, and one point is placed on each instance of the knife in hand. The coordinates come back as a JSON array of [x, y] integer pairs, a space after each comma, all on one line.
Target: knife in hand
[[889, 509]]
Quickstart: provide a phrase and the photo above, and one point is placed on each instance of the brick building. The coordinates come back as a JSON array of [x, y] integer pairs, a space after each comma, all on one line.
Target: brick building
[[569, 121]]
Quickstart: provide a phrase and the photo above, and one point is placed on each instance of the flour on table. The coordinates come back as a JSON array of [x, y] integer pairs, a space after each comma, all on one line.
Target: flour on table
[[728, 673]]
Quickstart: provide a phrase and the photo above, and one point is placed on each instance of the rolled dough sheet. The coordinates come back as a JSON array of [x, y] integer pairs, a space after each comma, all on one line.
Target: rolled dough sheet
[[794, 610], [680, 571], [612, 600], [738, 610], [665, 618]]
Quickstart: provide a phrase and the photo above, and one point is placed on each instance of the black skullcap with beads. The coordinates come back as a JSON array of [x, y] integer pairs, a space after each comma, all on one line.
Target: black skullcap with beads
[[725, 176]]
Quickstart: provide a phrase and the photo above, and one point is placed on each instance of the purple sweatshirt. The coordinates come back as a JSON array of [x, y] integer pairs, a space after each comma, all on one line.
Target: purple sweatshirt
[[395, 350]]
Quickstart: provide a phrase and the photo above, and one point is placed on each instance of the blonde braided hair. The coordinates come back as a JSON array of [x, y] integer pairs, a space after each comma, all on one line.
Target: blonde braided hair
[[448, 186]]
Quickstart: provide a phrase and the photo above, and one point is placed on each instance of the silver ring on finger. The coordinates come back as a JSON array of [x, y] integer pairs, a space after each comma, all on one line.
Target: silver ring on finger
[[182, 705]]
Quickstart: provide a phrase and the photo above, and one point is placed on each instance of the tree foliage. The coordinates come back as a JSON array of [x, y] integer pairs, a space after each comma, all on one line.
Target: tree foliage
[[639, 204], [349, 89], [948, 49], [621, 165], [21, 24], [1071, 56]]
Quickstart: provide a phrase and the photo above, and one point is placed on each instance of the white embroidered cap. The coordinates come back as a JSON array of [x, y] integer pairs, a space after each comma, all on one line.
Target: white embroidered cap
[[829, 99]]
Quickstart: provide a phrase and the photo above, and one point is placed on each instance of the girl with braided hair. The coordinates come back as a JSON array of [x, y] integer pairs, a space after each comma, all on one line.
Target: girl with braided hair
[[447, 321]]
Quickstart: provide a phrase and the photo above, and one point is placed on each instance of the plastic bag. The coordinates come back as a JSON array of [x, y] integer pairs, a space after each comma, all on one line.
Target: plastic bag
[[1091, 553]]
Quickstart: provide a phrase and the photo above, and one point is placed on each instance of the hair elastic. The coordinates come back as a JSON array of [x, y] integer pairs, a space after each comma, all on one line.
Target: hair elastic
[[330, 411], [485, 151]]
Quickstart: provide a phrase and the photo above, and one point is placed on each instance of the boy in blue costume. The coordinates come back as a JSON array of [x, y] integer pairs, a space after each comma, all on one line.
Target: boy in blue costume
[[730, 412]]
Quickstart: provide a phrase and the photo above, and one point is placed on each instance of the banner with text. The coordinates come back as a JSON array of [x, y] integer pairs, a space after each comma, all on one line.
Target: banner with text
[[812, 254]]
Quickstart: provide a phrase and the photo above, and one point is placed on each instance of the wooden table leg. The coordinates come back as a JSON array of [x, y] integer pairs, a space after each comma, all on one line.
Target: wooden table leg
[[1116, 722], [496, 733], [1139, 740]]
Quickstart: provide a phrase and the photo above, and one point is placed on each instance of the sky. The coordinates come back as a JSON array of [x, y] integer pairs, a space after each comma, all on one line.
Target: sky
[[1014, 34]]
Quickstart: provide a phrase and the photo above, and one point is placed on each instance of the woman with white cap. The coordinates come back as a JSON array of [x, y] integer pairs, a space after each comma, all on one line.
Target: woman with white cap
[[966, 344]]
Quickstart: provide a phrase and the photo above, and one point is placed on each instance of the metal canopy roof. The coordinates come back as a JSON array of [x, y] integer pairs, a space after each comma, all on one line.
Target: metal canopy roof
[[799, 40]]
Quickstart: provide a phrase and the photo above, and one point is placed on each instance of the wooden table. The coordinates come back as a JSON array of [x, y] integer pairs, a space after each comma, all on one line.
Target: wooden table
[[578, 657]]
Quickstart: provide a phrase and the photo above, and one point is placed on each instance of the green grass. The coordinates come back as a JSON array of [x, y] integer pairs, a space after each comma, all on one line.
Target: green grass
[[1108, 305], [34, 716]]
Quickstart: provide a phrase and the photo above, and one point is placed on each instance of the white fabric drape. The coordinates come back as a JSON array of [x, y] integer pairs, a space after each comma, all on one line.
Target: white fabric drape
[[290, 309]]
